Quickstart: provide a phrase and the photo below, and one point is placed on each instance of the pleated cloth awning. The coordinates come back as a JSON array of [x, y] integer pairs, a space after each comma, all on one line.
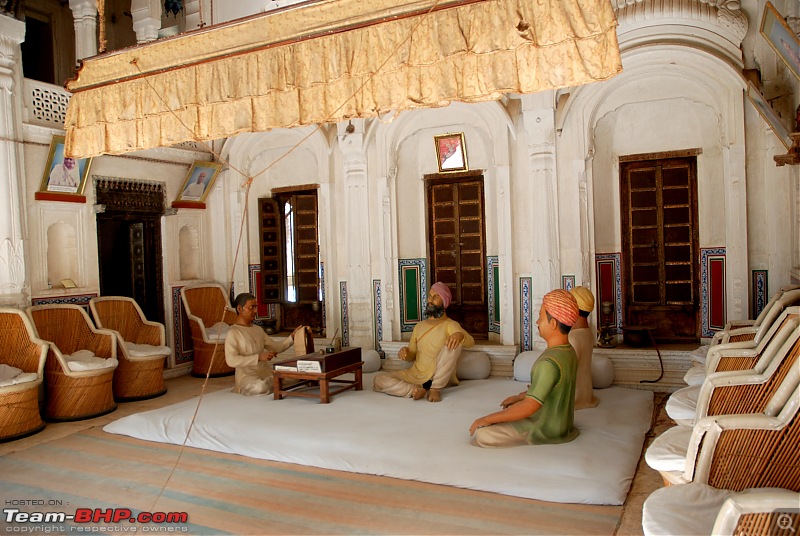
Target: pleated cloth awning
[[329, 60]]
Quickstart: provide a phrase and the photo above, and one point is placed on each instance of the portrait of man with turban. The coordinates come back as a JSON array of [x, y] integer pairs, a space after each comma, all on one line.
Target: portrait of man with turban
[[544, 413], [434, 348]]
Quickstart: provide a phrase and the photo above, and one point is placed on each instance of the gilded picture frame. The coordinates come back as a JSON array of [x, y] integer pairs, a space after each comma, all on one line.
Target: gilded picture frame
[[769, 115], [451, 152], [64, 176], [781, 38], [199, 181]]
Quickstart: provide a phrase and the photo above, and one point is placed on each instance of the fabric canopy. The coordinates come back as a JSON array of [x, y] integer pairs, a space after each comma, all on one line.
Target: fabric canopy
[[330, 60]]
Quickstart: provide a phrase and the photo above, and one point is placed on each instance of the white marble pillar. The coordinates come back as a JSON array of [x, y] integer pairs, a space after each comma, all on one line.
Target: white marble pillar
[[359, 282], [146, 19], [539, 112], [84, 14], [14, 287], [736, 257], [388, 233]]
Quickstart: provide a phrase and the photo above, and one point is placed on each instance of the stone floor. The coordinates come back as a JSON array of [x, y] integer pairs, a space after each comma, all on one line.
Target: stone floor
[[184, 387]]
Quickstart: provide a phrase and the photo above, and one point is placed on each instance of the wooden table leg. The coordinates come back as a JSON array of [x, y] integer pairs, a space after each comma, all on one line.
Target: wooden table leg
[[324, 392], [359, 382], [276, 387]]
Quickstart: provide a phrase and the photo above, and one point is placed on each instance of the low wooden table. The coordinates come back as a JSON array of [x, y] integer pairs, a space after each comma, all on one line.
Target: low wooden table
[[322, 380]]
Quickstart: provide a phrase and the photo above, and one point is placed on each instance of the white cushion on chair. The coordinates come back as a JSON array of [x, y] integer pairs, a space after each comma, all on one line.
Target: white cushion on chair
[[86, 360], [699, 354], [695, 375], [473, 366], [682, 405], [12, 375], [668, 450], [146, 350], [684, 509], [217, 332]]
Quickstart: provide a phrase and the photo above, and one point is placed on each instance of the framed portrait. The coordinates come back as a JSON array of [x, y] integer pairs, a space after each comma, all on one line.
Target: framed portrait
[[451, 153], [769, 115], [781, 38], [198, 182], [61, 175]]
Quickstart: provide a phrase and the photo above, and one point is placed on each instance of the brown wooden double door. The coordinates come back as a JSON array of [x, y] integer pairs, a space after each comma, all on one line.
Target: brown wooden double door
[[660, 247], [457, 241]]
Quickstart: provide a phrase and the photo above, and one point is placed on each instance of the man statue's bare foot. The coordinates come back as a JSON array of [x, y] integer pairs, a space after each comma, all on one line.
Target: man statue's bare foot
[[417, 393], [434, 395]]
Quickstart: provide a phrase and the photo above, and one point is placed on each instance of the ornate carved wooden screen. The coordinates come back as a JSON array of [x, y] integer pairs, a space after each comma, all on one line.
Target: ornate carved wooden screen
[[660, 247]]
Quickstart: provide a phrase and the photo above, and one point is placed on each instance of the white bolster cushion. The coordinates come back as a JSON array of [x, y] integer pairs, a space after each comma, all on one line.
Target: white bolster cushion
[[523, 364], [473, 366]]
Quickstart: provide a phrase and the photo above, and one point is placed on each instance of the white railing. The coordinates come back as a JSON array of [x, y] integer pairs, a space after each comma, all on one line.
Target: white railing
[[45, 104]]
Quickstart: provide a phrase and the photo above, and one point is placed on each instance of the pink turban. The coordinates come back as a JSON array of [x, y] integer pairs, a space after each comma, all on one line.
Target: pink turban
[[561, 305], [443, 292]]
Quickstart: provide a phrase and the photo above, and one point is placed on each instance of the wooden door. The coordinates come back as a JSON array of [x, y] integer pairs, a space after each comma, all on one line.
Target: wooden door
[[660, 247], [129, 255], [458, 248]]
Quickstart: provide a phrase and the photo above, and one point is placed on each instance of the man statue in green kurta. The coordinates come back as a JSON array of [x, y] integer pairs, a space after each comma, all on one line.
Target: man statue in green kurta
[[544, 413], [434, 348]]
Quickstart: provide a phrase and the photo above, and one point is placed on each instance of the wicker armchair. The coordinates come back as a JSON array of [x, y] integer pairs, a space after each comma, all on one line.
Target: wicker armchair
[[141, 349], [728, 455], [759, 511], [682, 404], [206, 306], [732, 394], [74, 395], [20, 348], [737, 355], [755, 331]]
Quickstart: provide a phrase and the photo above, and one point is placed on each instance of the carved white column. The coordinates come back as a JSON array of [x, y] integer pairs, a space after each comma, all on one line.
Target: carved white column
[[84, 14], [359, 282], [388, 233], [146, 19], [14, 287], [736, 263], [538, 111]]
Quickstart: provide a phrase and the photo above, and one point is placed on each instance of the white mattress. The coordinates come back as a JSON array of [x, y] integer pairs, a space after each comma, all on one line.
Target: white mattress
[[373, 433]]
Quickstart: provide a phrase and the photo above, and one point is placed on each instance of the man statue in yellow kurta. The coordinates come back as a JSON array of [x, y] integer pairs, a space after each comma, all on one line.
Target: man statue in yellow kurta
[[434, 348]]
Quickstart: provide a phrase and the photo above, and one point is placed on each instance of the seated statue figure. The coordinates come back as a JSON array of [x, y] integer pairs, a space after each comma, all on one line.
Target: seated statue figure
[[249, 350], [582, 338], [434, 348], [543, 414]]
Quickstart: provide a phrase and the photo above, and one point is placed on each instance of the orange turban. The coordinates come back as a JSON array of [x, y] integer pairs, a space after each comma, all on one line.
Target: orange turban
[[561, 305]]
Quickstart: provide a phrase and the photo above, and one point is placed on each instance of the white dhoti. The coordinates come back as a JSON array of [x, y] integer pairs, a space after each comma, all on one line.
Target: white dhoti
[[396, 383]]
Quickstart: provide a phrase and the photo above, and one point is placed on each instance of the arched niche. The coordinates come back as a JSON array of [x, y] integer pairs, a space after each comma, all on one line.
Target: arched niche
[[189, 252], [62, 253]]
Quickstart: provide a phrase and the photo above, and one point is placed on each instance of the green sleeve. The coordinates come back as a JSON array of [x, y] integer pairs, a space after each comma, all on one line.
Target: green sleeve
[[544, 376]]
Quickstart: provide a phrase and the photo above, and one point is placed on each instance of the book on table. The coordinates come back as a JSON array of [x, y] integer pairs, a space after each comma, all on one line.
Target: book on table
[[320, 363]]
